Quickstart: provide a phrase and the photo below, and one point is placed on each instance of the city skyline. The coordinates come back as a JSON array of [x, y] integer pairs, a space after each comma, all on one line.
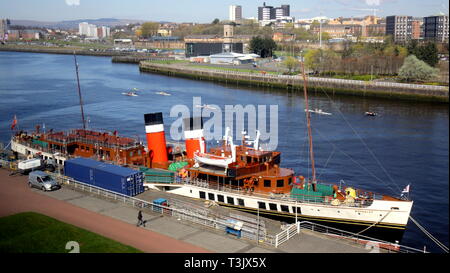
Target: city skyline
[[202, 11]]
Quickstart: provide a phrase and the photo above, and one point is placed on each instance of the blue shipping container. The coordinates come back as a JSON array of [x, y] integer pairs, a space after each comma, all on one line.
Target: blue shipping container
[[107, 176]]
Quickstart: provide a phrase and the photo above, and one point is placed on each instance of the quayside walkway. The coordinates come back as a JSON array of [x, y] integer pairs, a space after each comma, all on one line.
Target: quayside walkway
[[184, 236]]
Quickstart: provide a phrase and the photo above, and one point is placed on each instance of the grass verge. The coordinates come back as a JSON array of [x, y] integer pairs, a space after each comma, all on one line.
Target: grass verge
[[31, 232]]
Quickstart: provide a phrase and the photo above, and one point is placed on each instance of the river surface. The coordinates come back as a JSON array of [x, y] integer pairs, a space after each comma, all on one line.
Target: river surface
[[407, 143]]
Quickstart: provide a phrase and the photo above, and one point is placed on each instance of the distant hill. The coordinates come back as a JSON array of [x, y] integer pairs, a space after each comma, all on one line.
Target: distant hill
[[73, 24]]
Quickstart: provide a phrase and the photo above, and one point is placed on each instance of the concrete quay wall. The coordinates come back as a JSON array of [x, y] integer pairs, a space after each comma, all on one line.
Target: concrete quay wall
[[330, 86]]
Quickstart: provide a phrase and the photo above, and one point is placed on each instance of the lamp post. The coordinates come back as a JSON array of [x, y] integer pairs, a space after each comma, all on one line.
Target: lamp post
[[320, 33]]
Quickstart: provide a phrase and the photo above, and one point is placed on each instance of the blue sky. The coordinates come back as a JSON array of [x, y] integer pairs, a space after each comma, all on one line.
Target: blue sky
[[206, 10]]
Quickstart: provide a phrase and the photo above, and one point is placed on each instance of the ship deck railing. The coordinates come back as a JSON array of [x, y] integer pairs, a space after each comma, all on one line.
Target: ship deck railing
[[280, 197], [29, 143], [106, 144], [64, 153], [38, 147], [254, 232]]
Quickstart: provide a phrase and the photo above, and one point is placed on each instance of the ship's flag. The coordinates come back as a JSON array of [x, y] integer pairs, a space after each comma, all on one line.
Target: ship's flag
[[14, 123], [405, 191]]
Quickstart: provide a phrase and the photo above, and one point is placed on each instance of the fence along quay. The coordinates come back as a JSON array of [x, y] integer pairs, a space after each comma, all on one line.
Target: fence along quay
[[331, 86]]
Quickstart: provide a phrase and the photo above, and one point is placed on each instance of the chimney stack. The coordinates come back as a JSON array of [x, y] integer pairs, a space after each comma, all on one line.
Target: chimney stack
[[193, 135], [156, 139]]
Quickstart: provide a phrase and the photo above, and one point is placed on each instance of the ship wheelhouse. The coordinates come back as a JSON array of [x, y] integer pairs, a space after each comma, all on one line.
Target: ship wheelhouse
[[243, 168]]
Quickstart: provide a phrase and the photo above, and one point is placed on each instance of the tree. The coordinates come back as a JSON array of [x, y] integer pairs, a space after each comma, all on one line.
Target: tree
[[412, 47], [312, 59], [395, 50], [138, 32], [149, 29], [427, 53], [414, 69], [262, 46], [321, 61], [302, 34], [326, 36], [291, 63], [216, 21]]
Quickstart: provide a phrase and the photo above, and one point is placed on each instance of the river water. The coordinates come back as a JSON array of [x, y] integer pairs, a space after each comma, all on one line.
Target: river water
[[406, 144]]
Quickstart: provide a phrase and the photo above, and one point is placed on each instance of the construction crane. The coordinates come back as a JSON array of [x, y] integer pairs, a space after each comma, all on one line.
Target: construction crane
[[373, 10]]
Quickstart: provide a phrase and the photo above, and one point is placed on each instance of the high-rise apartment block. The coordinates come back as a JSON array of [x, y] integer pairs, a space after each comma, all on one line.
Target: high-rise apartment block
[[266, 13], [235, 13], [4, 26], [92, 31]]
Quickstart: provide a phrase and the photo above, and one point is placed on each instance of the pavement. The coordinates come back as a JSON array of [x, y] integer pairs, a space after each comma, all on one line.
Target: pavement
[[117, 221]]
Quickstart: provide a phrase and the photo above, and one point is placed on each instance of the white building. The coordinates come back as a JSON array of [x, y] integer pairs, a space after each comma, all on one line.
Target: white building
[[83, 28], [235, 13], [279, 12], [264, 13], [88, 30], [105, 32], [92, 31], [232, 58]]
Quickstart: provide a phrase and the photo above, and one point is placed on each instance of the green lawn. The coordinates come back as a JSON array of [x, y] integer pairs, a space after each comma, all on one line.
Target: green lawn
[[31, 232], [167, 61], [232, 69]]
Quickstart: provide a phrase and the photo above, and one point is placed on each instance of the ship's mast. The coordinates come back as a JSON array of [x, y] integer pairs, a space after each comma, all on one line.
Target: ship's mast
[[79, 91], [308, 120]]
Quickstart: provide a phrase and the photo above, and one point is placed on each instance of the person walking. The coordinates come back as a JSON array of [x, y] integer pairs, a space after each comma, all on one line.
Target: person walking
[[140, 221]]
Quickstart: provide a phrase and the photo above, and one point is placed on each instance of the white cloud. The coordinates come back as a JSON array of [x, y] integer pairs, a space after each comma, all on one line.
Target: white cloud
[[73, 2], [373, 2]]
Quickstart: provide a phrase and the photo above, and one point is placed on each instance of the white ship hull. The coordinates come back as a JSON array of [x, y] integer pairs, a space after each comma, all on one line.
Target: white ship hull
[[383, 219]]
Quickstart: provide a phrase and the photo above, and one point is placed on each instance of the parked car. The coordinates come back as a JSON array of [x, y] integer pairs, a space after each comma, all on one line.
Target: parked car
[[43, 181]]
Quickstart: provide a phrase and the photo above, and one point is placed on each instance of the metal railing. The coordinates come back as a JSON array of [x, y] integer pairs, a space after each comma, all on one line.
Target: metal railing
[[209, 220], [281, 197], [286, 234], [342, 235], [268, 76]]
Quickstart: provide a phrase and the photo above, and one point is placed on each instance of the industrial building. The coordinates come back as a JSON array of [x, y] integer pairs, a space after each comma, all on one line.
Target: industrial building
[[212, 44], [232, 58], [207, 49]]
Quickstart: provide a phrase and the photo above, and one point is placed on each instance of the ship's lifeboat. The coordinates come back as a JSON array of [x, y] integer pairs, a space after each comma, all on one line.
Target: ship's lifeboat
[[213, 160]]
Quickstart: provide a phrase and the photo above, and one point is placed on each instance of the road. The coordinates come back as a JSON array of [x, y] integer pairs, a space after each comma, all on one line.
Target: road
[[16, 197]]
